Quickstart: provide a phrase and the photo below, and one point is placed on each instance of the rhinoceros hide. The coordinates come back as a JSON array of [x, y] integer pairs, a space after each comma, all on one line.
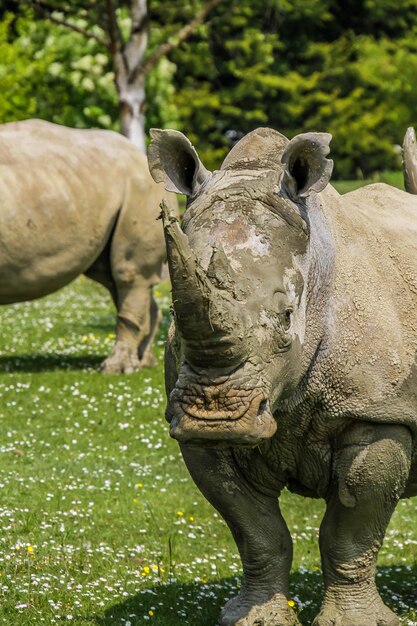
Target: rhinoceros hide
[[291, 360]]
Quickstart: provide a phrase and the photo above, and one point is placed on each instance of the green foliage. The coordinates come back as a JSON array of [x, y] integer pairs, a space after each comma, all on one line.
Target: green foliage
[[20, 70], [161, 109], [49, 72]]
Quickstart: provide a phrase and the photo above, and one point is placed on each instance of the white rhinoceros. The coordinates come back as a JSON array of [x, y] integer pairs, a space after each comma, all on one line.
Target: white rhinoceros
[[292, 361], [82, 202]]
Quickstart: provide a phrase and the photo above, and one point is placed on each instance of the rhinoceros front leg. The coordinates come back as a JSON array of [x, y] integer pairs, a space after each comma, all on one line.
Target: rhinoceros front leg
[[260, 533], [146, 355], [371, 468]]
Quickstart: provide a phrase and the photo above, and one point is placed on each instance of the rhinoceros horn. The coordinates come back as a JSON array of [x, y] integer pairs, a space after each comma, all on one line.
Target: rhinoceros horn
[[410, 161], [206, 317]]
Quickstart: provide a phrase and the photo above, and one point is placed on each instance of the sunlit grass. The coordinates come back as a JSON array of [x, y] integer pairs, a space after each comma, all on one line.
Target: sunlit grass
[[394, 178], [101, 524]]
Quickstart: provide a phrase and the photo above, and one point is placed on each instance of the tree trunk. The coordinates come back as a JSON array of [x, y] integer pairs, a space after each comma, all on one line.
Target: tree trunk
[[128, 61], [132, 119]]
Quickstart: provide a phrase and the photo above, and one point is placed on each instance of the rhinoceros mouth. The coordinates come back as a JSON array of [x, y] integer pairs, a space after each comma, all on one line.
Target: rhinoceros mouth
[[219, 416], [217, 405]]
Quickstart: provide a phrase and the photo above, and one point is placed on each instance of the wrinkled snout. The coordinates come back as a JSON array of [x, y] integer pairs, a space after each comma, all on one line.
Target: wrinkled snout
[[221, 411]]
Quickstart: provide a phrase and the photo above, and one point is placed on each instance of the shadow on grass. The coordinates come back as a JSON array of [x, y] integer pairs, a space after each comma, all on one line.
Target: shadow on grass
[[48, 362], [173, 604], [200, 604]]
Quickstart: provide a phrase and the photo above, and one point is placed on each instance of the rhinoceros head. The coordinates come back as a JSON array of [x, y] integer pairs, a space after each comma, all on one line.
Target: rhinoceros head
[[238, 268]]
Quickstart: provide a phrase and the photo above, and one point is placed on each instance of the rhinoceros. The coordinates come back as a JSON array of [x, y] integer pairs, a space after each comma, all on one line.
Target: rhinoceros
[[82, 202], [292, 359]]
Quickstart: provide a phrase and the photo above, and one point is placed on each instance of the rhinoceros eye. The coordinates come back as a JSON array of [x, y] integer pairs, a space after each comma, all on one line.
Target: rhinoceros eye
[[286, 319], [284, 310]]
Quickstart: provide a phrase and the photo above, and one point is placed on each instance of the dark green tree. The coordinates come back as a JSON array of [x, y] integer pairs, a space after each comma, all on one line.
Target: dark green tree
[[300, 65]]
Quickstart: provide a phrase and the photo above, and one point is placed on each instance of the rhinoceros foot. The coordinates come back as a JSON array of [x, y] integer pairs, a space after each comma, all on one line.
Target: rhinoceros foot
[[241, 611], [122, 360], [149, 360], [375, 614]]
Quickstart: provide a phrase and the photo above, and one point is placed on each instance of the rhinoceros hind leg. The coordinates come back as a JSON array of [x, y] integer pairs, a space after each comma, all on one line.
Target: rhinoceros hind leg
[[133, 325], [137, 251], [137, 319], [371, 467]]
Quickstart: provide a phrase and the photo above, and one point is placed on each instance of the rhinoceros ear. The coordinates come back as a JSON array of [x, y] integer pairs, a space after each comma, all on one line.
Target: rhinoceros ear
[[306, 168], [174, 161]]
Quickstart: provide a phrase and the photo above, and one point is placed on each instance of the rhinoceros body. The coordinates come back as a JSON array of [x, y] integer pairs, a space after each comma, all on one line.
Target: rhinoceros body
[[292, 359], [81, 202]]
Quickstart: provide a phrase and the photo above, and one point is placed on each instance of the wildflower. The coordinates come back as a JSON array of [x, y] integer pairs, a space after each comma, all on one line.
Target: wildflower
[[180, 513], [150, 612], [291, 603], [29, 549]]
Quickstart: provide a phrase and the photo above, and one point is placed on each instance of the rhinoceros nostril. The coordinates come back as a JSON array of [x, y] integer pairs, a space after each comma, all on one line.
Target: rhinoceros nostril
[[263, 406]]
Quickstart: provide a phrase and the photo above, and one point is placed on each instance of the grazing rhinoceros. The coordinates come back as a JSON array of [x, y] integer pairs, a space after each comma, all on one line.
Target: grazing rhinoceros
[[82, 202], [293, 359]]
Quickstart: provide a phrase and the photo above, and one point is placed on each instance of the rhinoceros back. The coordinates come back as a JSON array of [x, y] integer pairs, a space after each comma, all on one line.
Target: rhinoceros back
[[371, 338], [60, 193]]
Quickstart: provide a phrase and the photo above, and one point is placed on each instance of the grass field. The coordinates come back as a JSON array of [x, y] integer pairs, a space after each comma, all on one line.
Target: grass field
[[394, 178], [101, 524]]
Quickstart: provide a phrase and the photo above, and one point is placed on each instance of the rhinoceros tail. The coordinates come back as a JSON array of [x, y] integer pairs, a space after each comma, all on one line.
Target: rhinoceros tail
[[410, 161]]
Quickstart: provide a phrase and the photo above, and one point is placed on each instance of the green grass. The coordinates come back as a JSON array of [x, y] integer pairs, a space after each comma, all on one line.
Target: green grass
[[101, 524], [394, 178]]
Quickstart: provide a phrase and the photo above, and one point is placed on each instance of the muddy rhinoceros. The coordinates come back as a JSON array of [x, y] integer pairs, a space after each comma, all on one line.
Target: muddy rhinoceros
[[292, 359], [82, 202]]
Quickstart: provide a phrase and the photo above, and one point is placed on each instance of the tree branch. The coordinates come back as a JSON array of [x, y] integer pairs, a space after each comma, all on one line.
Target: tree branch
[[173, 43], [116, 46], [113, 30], [46, 10], [85, 33]]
